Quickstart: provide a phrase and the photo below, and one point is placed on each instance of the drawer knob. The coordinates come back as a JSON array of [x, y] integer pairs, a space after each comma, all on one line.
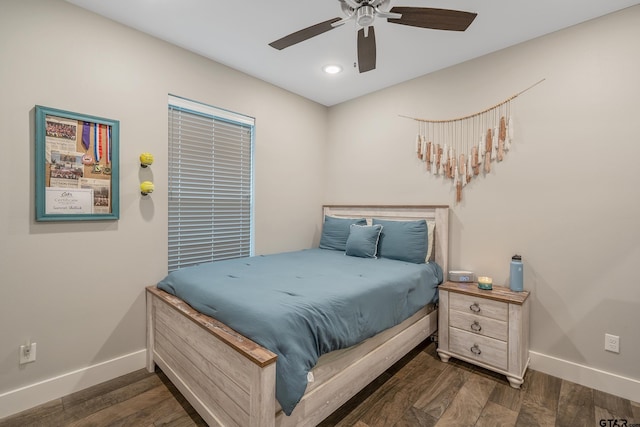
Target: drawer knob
[[475, 307], [475, 326], [476, 350]]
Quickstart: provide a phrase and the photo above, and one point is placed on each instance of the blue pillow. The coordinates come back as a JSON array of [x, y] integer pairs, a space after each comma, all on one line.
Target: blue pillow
[[335, 232], [363, 240], [403, 240]]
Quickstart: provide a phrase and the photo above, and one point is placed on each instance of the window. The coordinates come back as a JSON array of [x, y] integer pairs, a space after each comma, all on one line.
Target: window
[[210, 184]]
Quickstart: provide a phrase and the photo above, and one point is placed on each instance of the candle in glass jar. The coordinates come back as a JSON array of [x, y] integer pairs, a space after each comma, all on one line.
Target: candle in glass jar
[[485, 282]]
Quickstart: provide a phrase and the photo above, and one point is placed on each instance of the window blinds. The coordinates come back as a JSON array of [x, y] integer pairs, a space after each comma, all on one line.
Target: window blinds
[[210, 184]]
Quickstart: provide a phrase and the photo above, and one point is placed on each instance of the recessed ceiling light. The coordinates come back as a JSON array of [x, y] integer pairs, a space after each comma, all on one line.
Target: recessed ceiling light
[[332, 69]]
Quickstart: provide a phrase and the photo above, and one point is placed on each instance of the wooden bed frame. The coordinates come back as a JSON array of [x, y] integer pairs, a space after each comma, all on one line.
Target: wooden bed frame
[[230, 380]]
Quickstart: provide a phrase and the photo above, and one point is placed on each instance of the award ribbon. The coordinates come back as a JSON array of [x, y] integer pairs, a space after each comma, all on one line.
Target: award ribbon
[[97, 142], [86, 135], [108, 144]]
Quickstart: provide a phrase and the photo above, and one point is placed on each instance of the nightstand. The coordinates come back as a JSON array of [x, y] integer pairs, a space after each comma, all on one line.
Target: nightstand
[[489, 328]]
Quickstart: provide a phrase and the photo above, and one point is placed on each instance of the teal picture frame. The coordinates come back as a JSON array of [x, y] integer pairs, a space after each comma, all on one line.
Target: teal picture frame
[[77, 174]]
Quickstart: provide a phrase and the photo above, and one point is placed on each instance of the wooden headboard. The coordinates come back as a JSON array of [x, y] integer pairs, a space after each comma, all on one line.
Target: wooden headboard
[[437, 214]]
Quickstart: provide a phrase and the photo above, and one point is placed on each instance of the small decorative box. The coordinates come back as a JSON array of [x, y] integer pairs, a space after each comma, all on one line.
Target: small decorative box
[[485, 283]]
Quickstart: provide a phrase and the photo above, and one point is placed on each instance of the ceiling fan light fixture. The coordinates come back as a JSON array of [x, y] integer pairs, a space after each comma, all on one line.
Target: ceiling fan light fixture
[[332, 69], [365, 16]]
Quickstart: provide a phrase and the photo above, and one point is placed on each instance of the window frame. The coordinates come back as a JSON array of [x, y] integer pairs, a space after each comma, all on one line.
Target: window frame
[[205, 111]]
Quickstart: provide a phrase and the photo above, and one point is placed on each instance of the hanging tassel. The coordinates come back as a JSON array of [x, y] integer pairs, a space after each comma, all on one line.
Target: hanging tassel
[[494, 144], [427, 156], [434, 167], [452, 162], [457, 184], [502, 138], [470, 165], [463, 171], [487, 162], [488, 142], [507, 143], [453, 170], [423, 148], [447, 165], [476, 160], [444, 162], [441, 161], [418, 145]]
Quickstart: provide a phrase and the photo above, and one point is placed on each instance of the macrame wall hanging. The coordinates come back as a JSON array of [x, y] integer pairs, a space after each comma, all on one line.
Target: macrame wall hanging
[[463, 148]]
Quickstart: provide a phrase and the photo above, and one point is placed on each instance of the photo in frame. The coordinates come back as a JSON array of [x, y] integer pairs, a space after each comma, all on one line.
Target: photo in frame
[[77, 167]]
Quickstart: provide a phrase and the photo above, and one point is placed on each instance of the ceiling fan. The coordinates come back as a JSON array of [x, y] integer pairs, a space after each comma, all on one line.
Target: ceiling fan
[[364, 13]]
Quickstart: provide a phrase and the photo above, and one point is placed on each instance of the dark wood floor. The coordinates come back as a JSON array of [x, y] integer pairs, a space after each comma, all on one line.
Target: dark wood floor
[[417, 391]]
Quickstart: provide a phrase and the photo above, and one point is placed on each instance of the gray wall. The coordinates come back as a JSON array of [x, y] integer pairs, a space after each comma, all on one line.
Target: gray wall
[[566, 197], [86, 306]]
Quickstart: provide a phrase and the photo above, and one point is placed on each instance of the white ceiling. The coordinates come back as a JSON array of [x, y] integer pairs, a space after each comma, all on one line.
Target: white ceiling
[[236, 33]]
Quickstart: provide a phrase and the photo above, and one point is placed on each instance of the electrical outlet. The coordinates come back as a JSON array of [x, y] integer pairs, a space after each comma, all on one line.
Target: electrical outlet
[[612, 343], [27, 353]]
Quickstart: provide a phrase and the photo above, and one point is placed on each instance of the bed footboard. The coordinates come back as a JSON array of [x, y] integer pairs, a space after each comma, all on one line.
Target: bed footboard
[[228, 379], [352, 377]]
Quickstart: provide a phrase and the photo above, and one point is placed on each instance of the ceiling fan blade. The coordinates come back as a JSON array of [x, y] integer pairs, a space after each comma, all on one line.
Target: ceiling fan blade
[[437, 19], [366, 50], [304, 34]]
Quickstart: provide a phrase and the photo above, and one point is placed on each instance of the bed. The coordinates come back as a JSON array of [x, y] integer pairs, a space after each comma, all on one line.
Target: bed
[[231, 380]]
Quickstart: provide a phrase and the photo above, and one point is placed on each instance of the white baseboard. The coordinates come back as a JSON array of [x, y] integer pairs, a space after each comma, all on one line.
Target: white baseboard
[[608, 382], [18, 400]]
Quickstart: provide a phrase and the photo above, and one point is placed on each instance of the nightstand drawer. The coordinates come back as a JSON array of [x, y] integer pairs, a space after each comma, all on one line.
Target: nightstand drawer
[[483, 349], [479, 306], [474, 323]]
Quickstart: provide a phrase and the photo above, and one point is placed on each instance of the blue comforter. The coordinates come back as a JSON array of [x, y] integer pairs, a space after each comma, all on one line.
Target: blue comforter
[[303, 304]]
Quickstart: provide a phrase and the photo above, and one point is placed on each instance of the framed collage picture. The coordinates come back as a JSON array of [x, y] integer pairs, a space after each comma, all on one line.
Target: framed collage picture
[[76, 169]]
